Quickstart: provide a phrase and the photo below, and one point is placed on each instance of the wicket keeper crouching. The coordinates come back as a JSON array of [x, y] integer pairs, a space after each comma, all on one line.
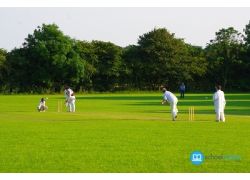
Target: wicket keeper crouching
[[42, 107]]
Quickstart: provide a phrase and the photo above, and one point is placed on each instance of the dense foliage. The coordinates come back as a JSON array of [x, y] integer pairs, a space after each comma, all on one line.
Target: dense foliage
[[48, 60]]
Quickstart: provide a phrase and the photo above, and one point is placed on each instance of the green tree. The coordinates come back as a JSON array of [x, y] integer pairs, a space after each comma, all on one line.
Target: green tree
[[107, 66], [3, 54], [131, 73], [48, 60], [247, 35], [197, 69], [166, 59], [224, 56], [17, 71], [86, 51], [244, 71]]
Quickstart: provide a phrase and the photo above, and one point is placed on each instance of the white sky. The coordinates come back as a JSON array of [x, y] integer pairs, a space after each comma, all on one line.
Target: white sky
[[120, 25]]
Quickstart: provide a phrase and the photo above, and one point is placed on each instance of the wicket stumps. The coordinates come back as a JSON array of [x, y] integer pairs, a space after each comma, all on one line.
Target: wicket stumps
[[59, 106], [191, 113]]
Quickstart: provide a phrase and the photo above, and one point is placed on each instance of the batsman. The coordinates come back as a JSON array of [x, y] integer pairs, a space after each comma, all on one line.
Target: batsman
[[172, 100], [70, 99]]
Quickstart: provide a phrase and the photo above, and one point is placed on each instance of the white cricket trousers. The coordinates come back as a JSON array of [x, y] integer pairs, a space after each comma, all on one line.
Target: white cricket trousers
[[72, 106], [220, 116], [174, 110]]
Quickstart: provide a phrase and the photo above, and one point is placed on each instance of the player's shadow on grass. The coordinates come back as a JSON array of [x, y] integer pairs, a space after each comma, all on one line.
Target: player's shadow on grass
[[144, 104], [134, 97], [119, 98], [193, 103], [240, 112], [209, 97], [198, 98], [186, 103], [229, 103], [180, 111]]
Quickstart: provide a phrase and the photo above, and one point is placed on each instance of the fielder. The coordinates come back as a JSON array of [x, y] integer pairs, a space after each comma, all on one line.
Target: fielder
[[172, 100], [219, 104], [70, 99]]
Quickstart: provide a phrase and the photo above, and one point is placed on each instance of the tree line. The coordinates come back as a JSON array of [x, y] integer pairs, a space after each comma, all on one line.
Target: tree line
[[48, 59]]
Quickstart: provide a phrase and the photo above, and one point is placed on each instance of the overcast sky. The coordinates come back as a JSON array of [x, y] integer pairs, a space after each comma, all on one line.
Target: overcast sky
[[121, 26]]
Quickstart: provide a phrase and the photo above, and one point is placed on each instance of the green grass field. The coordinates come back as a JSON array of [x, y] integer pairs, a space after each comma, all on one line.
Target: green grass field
[[122, 133]]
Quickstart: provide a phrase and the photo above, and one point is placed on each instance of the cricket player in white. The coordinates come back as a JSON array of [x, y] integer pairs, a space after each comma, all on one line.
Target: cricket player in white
[[42, 107], [70, 99], [71, 102], [172, 100], [219, 104]]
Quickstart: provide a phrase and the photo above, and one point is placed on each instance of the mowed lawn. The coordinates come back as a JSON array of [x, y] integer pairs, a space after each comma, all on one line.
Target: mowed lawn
[[122, 133]]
